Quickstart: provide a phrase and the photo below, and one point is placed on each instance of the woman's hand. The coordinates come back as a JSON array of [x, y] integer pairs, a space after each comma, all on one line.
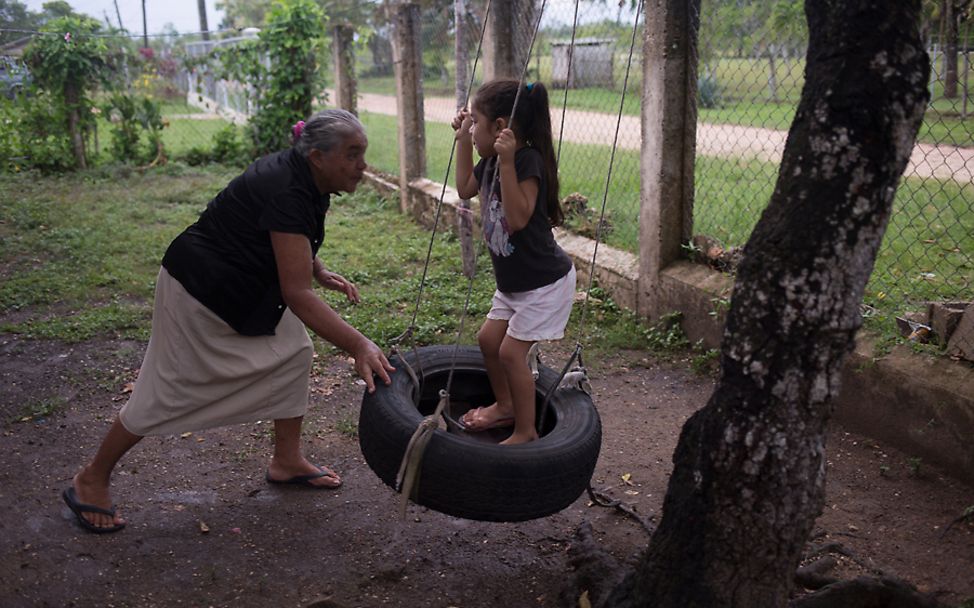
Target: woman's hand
[[336, 282], [505, 145], [370, 360], [461, 124]]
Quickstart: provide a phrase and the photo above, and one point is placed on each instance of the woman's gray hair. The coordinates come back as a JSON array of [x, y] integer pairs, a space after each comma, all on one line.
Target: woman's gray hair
[[326, 130]]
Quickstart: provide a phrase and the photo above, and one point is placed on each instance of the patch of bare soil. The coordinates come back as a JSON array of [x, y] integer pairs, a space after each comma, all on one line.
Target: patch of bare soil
[[206, 530]]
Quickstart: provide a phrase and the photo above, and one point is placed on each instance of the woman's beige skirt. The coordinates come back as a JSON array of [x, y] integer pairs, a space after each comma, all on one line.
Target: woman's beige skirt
[[199, 373]]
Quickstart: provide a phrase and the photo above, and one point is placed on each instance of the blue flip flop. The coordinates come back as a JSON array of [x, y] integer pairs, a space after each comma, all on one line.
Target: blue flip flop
[[79, 509], [304, 480]]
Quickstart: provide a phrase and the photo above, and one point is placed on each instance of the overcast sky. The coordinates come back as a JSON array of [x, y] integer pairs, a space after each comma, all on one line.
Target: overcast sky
[[183, 14]]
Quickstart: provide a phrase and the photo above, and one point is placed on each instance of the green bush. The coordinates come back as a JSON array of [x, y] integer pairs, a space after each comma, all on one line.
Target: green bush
[[131, 116], [33, 134]]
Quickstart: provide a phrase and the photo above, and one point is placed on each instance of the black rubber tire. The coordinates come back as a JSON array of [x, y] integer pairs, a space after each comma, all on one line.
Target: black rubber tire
[[463, 477]]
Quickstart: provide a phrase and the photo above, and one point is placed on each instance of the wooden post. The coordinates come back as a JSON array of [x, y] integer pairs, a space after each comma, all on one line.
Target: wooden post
[[464, 219], [669, 120], [408, 60], [344, 60], [500, 42]]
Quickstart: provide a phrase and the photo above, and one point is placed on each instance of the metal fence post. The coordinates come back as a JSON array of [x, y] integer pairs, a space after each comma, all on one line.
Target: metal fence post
[[668, 143], [408, 60]]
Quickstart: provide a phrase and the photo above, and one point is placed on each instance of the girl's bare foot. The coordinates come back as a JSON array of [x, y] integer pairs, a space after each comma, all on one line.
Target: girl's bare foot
[[486, 418], [517, 438]]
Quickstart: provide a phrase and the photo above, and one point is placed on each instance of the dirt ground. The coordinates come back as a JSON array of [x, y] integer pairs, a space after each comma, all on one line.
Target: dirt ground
[[206, 530]]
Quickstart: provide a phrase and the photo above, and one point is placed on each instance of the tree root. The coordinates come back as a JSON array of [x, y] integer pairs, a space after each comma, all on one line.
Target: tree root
[[867, 592], [601, 581], [597, 574]]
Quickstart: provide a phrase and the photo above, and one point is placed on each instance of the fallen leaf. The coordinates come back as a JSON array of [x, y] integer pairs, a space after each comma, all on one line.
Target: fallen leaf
[[185, 435], [632, 492], [626, 477], [203, 527], [129, 386], [583, 601]]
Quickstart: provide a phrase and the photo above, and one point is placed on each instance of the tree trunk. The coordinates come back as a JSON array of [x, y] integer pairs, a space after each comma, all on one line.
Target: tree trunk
[[748, 480], [344, 59], [72, 98]]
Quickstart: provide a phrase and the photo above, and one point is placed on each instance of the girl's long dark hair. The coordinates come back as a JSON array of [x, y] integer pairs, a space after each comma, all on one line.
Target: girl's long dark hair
[[531, 125]]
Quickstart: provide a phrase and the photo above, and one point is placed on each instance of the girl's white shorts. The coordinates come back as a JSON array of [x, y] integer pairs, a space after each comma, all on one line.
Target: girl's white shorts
[[539, 314]]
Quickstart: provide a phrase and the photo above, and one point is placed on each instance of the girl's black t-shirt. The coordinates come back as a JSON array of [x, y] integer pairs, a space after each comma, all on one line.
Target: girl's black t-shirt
[[225, 260], [528, 258]]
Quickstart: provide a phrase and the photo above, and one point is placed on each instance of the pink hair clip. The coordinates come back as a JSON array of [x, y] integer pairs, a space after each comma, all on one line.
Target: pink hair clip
[[297, 129]]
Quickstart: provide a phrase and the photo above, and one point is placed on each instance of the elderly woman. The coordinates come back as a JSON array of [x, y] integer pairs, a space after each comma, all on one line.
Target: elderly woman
[[232, 301]]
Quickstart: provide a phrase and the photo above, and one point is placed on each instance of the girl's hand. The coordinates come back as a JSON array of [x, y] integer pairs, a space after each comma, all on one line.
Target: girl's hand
[[461, 124], [505, 145], [336, 282]]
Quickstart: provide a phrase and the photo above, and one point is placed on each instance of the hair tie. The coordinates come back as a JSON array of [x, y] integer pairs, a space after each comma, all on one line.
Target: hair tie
[[297, 129], [529, 86]]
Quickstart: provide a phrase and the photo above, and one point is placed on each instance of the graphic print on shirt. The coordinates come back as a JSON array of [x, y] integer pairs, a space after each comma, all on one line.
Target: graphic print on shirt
[[496, 231]]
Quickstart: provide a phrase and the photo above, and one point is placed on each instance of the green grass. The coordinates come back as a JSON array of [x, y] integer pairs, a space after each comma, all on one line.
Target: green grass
[[80, 252], [79, 255]]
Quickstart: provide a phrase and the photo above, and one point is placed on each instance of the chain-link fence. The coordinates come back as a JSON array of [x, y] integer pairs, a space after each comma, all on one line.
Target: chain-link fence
[[750, 76]]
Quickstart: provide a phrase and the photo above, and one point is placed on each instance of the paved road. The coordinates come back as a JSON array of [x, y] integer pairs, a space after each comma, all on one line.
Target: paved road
[[945, 162]]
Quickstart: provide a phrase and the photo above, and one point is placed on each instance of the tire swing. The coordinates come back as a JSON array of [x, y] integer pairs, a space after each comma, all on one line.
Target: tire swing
[[467, 475], [408, 431]]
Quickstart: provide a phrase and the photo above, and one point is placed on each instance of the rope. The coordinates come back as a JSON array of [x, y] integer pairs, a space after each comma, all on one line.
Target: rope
[[439, 204], [407, 479], [599, 498], [495, 179], [579, 372], [608, 178], [409, 468]]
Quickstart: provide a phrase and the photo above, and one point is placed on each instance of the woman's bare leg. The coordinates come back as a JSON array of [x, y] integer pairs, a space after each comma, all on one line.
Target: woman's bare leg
[[288, 460], [92, 483]]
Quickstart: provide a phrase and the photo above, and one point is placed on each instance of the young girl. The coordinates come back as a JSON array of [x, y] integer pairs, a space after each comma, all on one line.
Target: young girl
[[535, 277]]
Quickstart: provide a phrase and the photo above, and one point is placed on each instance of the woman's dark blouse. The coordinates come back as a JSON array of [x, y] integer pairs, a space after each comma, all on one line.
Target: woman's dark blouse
[[225, 260]]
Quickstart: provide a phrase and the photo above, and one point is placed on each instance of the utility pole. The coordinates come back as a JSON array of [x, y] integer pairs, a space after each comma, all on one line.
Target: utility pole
[[145, 29], [203, 27]]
